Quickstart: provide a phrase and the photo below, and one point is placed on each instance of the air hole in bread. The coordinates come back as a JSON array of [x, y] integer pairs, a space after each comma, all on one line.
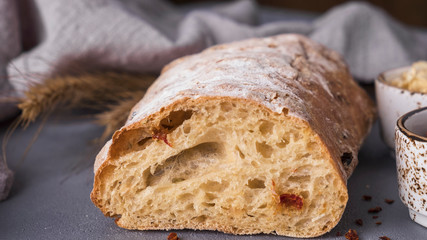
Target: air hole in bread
[[187, 128], [266, 127], [283, 143], [185, 197], [175, 119], [303, 221], [256, 183], [115, 184], [226, 106], [264, 149], [241, 155], [299, 178], [210, 196], [129, 181], [177, 179], [221, 118], [312, 146], [262, 206], [131, 164], [326, 225], [305, 194], [208, 204], [296, 136], [200, 218], [190, 207], [255, 164], [214, 186], [143, 141], [186, 164], [243, 113], [109, 170]]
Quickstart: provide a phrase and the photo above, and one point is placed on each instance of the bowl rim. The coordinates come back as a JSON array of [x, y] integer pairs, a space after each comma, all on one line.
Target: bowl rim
[[382, 79], [401, 125]]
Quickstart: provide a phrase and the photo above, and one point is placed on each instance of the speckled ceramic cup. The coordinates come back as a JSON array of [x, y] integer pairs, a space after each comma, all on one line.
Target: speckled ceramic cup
[[393, 102], [411, 161]]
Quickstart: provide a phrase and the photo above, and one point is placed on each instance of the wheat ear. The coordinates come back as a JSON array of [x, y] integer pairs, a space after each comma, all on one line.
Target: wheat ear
[[117, 114], [96, 91]]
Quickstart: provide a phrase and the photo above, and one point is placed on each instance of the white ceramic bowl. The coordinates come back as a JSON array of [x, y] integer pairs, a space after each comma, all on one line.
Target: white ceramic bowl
[[393, 102], [411, 161]]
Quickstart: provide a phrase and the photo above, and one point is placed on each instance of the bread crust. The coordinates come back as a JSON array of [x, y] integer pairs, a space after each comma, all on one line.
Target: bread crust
[[299, 78]]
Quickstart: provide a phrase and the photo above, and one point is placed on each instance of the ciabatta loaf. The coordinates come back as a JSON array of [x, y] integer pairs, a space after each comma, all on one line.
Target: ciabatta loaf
[[257, 136]]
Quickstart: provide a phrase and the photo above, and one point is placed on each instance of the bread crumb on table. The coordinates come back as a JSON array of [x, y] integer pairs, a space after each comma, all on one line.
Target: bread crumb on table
[[173, 236], [352, 235]]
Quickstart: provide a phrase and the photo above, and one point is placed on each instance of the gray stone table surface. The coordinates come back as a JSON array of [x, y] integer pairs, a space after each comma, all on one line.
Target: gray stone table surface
[[50, 196]]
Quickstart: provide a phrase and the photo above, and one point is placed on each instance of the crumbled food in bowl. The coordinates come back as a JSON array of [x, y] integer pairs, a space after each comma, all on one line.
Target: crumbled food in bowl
[[415, 79]]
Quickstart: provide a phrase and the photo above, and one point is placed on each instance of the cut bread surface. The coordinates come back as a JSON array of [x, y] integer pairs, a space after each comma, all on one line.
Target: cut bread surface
[[227, 165]]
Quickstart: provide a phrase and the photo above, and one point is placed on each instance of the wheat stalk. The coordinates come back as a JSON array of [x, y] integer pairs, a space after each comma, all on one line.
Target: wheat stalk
[[117, 114], [97, 91]]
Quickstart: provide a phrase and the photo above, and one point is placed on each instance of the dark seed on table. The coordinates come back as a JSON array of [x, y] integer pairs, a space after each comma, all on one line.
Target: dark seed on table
[[366, 197]]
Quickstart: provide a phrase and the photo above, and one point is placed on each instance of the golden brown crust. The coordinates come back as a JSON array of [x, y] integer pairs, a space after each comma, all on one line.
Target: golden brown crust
[[313, 86]]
